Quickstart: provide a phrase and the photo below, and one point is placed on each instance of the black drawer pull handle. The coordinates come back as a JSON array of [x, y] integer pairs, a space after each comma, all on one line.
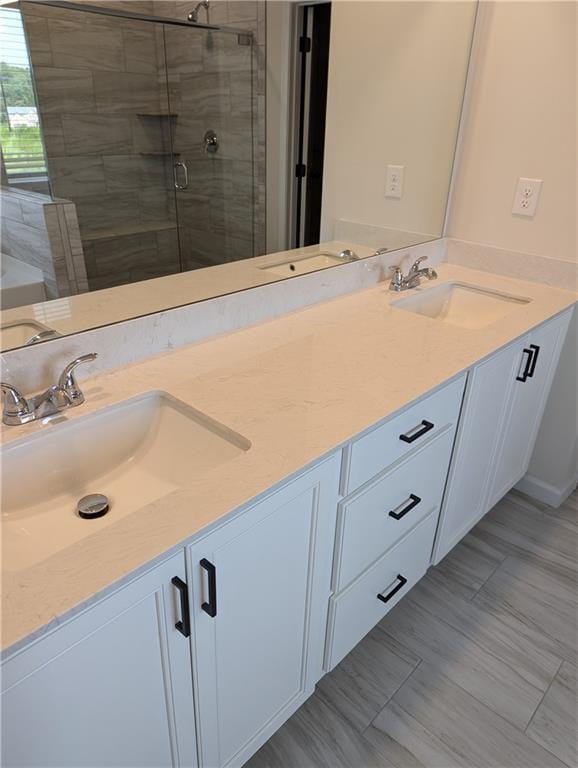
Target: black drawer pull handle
[[210, 606], [402, 581], [184, 626], [524, 376], [532, 368], [413, 502], [426, 426]]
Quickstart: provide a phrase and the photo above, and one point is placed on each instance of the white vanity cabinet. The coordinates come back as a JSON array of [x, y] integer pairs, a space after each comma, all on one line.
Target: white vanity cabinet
[[386, 526], [110, 687], [260, 590], [247, 619], [505, 400], [536, 365]]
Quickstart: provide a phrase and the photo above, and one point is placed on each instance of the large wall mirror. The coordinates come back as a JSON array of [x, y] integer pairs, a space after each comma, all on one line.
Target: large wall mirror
[[157, 153]]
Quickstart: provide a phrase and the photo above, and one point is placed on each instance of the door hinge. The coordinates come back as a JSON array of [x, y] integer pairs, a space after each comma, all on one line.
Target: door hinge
[[300, 170], [304, 44]]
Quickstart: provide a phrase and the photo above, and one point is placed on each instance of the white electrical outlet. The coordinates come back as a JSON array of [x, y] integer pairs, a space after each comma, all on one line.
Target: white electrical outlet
[[394, 181], [526, 197]]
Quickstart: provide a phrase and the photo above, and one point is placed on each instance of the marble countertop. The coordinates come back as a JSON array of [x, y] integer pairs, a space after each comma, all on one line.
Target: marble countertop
[[297, 387]]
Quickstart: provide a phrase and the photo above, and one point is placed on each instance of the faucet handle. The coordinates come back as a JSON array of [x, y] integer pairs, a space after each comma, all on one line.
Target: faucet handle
[[67, 381], [15, 404], [418, 261], [396, 283]]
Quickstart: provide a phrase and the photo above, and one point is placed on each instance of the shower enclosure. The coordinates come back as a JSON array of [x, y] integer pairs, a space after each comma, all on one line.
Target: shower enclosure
[[148, 126]]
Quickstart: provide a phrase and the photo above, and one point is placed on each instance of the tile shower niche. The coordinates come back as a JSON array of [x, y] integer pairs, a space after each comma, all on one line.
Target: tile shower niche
[[125, 105]]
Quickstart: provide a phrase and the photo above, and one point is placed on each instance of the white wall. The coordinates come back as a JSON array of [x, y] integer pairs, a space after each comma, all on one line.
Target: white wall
[[396, 79], [521, 121]]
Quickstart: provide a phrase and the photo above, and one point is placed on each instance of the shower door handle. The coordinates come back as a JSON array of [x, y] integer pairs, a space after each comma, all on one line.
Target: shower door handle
[[185, 184]]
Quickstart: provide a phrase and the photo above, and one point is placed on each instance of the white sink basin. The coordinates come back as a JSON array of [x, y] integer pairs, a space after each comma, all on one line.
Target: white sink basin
[[304, 264], [135, 452], [460, 304]]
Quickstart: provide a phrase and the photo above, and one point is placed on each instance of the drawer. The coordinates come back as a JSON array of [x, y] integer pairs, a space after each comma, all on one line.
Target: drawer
[[356, 610], [375, 518], [376, 450]]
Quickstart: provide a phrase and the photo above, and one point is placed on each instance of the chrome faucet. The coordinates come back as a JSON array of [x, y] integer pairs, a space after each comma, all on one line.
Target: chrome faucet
[[65, 394], [401, 282]]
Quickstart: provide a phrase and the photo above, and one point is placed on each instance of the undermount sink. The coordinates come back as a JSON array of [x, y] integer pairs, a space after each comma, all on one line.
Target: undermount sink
[[134, 453], [304, 264], [468, 306]]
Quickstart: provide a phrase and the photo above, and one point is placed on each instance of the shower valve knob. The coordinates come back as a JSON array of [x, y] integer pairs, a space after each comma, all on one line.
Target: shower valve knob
[[211, 142]]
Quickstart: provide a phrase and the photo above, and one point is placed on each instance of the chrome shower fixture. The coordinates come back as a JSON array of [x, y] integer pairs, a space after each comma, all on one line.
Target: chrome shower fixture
[[194, 14]]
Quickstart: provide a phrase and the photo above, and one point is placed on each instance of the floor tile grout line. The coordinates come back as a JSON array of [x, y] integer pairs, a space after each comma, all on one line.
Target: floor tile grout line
[[471, 598], [482, 704], [468, 693], [393, 695], [521, 551], [484, 649], [544, 696], [548, 569], [333, 708], [546, 749]]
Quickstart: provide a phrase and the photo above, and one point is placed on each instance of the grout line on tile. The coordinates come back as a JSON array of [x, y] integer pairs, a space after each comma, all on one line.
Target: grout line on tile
[[394, 694], [488, 577], [529, 723]]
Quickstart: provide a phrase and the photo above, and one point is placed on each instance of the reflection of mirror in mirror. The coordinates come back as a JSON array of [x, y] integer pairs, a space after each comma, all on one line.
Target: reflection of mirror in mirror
[[149, 162]]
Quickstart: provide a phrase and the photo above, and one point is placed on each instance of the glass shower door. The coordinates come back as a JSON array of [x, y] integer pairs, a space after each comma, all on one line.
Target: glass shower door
[[210, 77], [103, 103]]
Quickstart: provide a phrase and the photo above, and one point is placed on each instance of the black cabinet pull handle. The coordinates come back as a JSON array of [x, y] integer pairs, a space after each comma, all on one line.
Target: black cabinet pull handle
[[402, 581], [210, 606], [426, 426], [413, 502], [526, 374], [184, 626], [535, 352]]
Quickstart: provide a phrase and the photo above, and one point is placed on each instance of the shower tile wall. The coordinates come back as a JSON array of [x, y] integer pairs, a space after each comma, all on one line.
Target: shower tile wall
[[101, 102], [101, 86]]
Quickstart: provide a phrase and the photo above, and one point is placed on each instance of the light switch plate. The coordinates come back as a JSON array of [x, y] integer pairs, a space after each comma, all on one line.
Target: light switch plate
[[526, 197], [394, 181]]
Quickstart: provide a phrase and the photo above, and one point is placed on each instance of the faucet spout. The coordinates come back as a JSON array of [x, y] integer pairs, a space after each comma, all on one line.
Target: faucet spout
[[65, 394], [401, 282]]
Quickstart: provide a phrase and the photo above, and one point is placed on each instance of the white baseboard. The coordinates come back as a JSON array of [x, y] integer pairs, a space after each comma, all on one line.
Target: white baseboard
[[544, 492]]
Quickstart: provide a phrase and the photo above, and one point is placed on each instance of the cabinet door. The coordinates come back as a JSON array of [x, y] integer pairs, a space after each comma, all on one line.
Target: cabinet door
[[485, 405], [535, 370], [261, 587], [110, 688]]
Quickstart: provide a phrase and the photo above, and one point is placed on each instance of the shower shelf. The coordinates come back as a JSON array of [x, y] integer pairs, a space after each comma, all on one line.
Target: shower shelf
[[173, 115], [158, 154], [134, 228]]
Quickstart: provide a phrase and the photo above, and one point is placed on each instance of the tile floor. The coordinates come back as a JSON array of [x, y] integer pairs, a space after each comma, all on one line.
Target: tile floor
[[475, 668]]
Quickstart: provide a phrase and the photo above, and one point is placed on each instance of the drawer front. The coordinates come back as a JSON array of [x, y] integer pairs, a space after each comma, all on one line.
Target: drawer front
[[356, 610], [373, 520], [375, 451]]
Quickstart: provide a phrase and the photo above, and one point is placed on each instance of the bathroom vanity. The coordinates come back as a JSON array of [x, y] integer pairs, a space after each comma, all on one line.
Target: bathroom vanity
[[367, 439]]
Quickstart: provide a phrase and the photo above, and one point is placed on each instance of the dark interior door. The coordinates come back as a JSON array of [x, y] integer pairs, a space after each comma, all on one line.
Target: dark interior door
[[314, 52], [317, 112]]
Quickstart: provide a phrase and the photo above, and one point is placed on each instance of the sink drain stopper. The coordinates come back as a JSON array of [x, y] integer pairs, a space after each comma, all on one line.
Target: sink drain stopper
[[93, 505]]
